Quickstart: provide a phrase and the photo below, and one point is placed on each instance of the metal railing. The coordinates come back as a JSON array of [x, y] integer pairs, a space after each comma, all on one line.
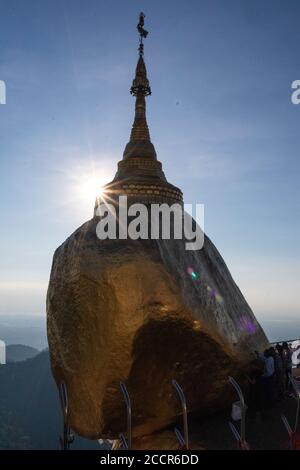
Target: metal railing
[[293, 432], [285, 341], [240, 436], [67, 438], [183, 440], [127, 443]]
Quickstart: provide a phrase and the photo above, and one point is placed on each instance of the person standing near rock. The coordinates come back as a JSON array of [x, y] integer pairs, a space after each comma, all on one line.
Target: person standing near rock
[[287, 363], [281, 375], [268, 379], [255, 396]]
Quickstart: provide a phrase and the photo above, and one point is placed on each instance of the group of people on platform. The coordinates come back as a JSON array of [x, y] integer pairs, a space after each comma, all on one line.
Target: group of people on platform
[[270, 382]]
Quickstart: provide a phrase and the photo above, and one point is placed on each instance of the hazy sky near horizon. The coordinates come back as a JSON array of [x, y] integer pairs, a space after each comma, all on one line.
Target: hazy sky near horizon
[[220, 117]]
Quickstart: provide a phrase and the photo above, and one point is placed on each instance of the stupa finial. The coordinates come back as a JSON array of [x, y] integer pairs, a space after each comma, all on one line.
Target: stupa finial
[[140, 84], [142, 32]]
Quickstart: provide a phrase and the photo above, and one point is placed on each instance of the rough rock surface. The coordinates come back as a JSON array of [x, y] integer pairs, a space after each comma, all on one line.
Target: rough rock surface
[[144, 312]]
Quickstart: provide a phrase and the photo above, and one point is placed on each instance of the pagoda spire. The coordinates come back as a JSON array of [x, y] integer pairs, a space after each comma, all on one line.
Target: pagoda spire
[[140, 144], [140, 176]]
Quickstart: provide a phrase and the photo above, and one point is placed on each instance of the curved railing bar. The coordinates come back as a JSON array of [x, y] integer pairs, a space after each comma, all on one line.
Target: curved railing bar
[[127, 443], [243, 409], [66, 438], [184, 441]]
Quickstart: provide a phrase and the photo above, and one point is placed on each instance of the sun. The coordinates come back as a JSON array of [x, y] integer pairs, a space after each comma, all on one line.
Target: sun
[[86, 181], [90, 187]]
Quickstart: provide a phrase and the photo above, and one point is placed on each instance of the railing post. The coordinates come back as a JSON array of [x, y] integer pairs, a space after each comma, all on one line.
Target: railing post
[[184, 441], [292, 432], [127, 443], [241, 438], [66, 438]]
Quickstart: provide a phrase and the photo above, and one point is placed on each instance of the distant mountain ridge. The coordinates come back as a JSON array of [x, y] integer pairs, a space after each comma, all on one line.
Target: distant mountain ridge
[[30, 416], [20, 352]]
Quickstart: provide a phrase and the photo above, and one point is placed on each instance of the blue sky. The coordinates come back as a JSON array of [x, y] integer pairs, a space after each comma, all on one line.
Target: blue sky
[[220, 117]]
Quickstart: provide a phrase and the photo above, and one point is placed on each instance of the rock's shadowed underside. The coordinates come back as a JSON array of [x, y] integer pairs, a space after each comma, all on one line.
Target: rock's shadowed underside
[[131, 311]]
